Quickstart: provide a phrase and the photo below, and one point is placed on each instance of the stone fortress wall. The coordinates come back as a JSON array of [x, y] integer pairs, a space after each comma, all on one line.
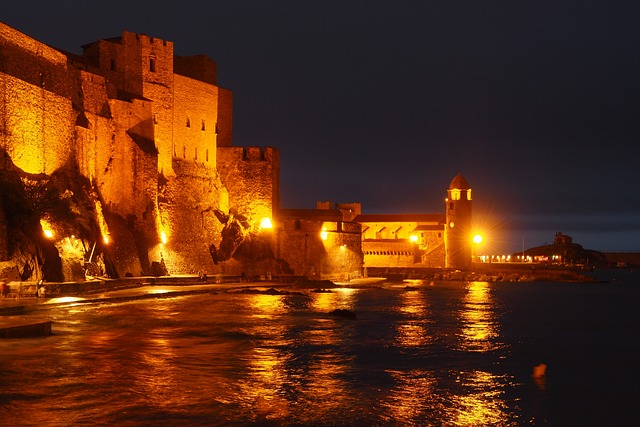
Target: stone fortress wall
[[143, 126], [36, 107]]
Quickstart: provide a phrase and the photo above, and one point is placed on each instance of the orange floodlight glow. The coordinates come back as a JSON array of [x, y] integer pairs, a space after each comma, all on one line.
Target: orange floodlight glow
[[413, 238], [477, 239], [47, 230], [102, 223], [266, 223], [324, 234], [163, 237]]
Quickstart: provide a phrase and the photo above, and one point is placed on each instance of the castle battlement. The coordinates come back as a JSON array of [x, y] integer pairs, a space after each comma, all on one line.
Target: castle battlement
[[147, 40], [249, 154]]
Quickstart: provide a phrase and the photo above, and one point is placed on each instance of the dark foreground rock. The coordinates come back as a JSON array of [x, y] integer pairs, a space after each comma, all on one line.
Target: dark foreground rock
[[314, 284], [26, 330], [341, 312]]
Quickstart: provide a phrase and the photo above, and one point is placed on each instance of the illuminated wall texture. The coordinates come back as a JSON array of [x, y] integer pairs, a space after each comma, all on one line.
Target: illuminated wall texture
[[252, 175], [320, 243], [35, 126]]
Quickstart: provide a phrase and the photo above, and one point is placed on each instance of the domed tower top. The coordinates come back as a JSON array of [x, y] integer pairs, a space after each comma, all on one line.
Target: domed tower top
[[459, 183], [459, 189]]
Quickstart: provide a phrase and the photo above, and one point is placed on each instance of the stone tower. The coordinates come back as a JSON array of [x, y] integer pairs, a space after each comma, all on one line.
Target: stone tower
[[458, 226]]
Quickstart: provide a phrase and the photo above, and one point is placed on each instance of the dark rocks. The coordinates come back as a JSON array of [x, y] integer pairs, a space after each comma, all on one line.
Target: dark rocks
[[270, 291], [314, 284], [342, 312], [26, 330]]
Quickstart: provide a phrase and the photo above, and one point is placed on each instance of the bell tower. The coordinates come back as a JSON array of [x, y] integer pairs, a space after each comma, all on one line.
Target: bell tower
[[457, 233]]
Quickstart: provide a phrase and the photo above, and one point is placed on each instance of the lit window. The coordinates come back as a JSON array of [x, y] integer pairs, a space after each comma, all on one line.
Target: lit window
[[455, 194]]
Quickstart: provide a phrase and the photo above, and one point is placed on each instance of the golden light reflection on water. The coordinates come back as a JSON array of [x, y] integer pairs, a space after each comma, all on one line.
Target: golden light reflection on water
[[338, 298], [156, 377], [412, 332], [482, 404], [479, 328], [261, 388], [328, 391], [274, 374], [406, 401], [62, 300], [267, 306]]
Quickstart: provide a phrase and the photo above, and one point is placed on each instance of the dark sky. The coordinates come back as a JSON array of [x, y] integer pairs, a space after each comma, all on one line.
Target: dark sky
[[536, 103]]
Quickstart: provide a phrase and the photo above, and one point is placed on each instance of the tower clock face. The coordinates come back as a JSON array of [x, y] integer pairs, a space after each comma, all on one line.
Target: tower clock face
[[451, 224]]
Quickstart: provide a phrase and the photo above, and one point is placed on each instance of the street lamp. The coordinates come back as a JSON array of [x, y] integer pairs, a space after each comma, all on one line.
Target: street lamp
[[477, 239]]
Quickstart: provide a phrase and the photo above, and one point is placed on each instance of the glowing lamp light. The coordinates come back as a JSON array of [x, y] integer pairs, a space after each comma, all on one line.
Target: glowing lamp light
[[47, 230], [413, 238], [324, 234], [477, 239], [106, 239], [266, 223], [163, 237]]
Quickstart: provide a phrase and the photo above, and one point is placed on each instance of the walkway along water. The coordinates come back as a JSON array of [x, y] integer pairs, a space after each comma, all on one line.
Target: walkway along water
[[20, 307]]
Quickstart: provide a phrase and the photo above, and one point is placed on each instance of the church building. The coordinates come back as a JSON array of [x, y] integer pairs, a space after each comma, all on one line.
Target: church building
[[438, 240]]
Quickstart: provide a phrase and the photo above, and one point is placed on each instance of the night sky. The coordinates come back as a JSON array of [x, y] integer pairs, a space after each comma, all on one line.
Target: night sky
[[536, 103]]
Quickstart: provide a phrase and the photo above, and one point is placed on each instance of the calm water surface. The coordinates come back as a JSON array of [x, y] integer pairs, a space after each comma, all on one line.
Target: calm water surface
[[452, 354]]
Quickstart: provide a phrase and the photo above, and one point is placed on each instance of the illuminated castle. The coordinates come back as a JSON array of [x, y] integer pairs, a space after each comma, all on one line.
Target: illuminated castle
[[125, 153], [120, 161]]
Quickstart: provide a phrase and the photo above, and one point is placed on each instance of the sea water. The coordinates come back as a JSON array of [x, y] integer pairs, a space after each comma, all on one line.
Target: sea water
[[419, 354]]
